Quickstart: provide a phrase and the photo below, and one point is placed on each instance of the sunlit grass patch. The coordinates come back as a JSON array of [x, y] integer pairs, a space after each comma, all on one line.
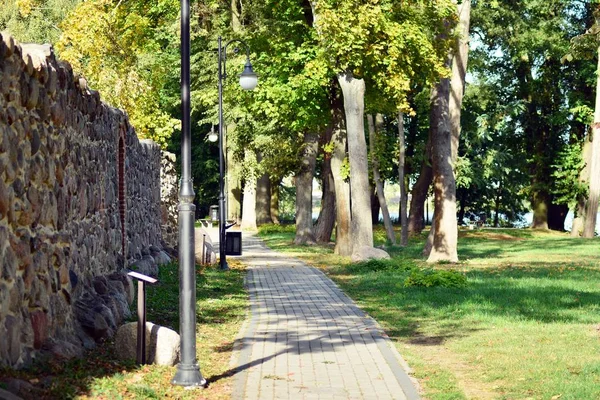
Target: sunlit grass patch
[[523, 325]]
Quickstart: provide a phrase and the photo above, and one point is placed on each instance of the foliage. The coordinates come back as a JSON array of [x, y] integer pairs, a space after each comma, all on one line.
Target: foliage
[[375, 265], [35, 21], [569, 187], [417, 276], [270, 229], [534, 89], [491, 164], [385, 41], [287, 203], [435, 277], [124, 49]]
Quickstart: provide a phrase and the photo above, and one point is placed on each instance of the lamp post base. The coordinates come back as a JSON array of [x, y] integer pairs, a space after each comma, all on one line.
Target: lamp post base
[[223, 266], [189, 376]]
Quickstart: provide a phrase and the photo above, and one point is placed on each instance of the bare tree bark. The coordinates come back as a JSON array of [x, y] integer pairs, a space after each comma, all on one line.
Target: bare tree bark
[[233, 181], [263, 197], [401, 180], [419, 193], [589, 226], [353, 91], [304, 178], [236, 24], [459, 71], [249, 202], [275, 200], [326, 220], [343, 240], [375, 126], [375, 206], [584, 176], [444, 226]]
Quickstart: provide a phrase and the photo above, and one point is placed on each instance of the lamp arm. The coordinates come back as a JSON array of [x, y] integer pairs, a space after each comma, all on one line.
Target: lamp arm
[[225, 53]]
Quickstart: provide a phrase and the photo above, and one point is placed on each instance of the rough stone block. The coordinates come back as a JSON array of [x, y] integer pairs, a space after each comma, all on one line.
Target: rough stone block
[[39, 324], [146, 266], [63, 349], [162, 344], [365, 253]]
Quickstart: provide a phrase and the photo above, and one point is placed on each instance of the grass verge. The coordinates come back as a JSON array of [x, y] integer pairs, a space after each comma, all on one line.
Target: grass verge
[[220, 310], [523, 326]]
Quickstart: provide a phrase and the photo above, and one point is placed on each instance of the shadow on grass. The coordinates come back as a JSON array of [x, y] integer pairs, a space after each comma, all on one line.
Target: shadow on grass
[[542, 294]]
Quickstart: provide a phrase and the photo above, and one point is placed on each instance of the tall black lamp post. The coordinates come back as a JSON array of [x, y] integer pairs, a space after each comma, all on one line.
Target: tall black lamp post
[[188, 372], [248, 81]]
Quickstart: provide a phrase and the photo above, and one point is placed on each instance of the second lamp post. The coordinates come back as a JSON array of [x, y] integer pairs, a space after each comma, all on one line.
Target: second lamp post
[[248, 81]]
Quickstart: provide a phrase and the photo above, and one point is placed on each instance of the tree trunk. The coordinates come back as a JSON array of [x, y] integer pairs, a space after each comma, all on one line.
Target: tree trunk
[[353, 91], [497, 202], [459, 70], [374, 126], [445, 230], [420, 191], [589, 226], [236, 24], [584, 176], [275, 200], [233, 182], [326, 220], [556, 216], [375, 206], [263, 197], [343, 241], [540, 204], [401, 180], [249, 202], [304, 178]]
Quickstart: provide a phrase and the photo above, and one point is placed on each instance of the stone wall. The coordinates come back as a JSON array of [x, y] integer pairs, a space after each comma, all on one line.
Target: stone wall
[[79, 203], [169, 194]]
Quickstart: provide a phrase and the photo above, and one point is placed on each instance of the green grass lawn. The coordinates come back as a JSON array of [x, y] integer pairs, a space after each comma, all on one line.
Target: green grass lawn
[[221, 307], [524, 326]]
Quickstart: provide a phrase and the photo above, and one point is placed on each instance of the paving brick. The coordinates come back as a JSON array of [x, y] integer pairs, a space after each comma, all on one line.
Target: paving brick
[[307, 340]]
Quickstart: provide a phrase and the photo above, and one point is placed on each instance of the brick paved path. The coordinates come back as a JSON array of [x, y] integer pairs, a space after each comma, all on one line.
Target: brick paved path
[[307, 340]]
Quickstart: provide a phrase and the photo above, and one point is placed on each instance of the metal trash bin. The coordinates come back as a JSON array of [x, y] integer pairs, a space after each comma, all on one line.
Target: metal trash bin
[[233, 243], [214, 213]]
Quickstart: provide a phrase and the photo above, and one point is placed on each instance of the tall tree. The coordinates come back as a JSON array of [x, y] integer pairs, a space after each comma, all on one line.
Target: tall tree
[[459, 71], [374, 127], [402, 180], [327, 215], [249, 201], [444, 228], [589, 226], [524, 62], [304, 189], [365, 40], [263, 194], [343, 240], [354, 94]]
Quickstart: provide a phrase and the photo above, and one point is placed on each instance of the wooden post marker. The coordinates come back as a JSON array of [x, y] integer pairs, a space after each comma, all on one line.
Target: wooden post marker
[[141, 313]]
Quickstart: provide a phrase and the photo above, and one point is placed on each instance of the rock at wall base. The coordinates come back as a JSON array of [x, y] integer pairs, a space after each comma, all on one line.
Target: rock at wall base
[[162, 344], [146, 266]]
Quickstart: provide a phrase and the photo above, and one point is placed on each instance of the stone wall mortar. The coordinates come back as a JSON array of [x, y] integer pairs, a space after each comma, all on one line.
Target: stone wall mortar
[[62, 277]]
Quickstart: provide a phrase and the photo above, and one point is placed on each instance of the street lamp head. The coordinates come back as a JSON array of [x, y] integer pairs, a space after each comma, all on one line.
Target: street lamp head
[[248, 79], [212, 136]]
